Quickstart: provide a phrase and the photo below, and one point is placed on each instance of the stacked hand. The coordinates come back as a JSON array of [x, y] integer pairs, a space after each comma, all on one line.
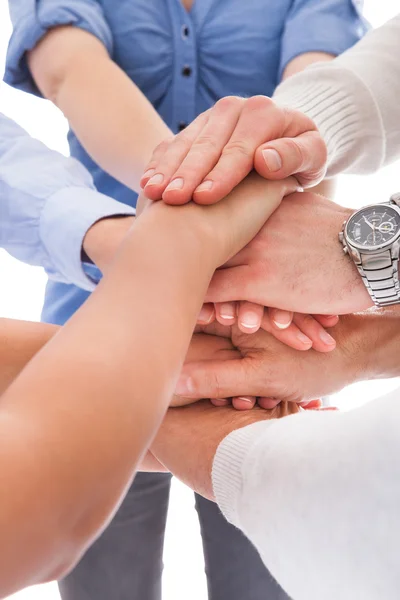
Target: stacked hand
[[209, 158], [262, 367]]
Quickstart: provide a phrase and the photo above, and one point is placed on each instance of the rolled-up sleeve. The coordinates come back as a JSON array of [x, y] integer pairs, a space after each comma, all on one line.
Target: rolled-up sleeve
[[47, 204], [330, 26], [33, 18]]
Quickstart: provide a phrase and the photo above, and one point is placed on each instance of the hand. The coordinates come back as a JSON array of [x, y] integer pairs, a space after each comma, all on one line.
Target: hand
[[271, 371], [189, 438], [211, 156], [205, 347], [296, 263], [224, 228]]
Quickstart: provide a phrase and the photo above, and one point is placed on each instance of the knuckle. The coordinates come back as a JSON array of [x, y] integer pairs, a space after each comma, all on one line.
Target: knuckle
[[229, 102], [162, 147], [240, 147], [294, 149], [260, 103], [205, 143]]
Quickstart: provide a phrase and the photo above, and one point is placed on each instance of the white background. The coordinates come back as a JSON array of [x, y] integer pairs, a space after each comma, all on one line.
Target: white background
[[21, 296]]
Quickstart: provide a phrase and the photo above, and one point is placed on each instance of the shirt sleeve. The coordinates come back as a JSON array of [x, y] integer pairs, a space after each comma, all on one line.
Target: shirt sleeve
[[330, 26], [33, 18], [47, 204], [318, 494], [354, 102]]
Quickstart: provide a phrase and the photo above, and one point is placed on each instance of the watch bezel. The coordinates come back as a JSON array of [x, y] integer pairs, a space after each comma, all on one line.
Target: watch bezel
[[378, 247]]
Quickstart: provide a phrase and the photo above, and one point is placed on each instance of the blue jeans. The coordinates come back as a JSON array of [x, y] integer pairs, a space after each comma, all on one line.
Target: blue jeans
[[126, 561]]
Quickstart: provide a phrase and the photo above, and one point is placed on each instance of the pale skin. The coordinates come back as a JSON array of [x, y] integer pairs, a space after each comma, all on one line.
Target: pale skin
[[366, 349], [70, 66], [73, 422]]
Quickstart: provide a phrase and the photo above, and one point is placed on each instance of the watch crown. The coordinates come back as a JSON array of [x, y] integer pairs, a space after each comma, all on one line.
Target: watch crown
[[346, 250], [341, 236], [395, 198]]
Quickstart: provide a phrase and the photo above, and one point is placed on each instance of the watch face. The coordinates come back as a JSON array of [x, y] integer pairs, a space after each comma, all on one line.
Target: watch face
[[373, 227]]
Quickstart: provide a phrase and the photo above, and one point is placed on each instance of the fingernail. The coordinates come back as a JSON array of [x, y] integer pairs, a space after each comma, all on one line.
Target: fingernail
[[176, 184], [205, 186], [204, 315], [148, 173], [246, 399], [184, 386], [326, 338], [227, 311], [156, 179], [282, 319], [273, 159], [250, 321], [304, 339]]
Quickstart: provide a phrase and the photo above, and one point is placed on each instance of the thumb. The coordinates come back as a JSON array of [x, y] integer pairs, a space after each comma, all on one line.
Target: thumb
[[229, 285], [304, 156], [215, 379]]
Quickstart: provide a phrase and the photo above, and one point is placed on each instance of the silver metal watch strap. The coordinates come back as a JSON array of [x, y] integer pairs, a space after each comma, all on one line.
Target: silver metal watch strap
[[380, 272]]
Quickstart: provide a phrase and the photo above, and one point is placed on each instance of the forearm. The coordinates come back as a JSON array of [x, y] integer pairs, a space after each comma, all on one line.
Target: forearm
[[47, 204], [353, 101], [19, 342], [379, 339], [318, 495], [97, 369], [119, 129]]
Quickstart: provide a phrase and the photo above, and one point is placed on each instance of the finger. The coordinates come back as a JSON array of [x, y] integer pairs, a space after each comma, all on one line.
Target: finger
[[281, 318], [268, 403], [292, 336], [225, 313], [206, 315], [156, 156], [217, 379], [250, 317], [326, 408], [322, 341], [226, 285], [205, 151], [327, 320], [167, 159], [260, 121], [220, 401], [244, 402], [304, 156], [313, 404]]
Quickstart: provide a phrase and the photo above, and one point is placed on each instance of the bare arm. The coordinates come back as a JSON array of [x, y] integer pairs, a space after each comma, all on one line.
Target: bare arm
[[19, 342], [113, 120], [74, 422]]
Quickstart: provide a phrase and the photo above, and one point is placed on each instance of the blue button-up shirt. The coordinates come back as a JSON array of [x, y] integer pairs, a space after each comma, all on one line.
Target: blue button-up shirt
[[47, 204], [182, 61]]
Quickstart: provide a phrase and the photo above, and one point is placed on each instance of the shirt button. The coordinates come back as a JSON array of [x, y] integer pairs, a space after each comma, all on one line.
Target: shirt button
[[185, 31], [182, 125], [186, 71]]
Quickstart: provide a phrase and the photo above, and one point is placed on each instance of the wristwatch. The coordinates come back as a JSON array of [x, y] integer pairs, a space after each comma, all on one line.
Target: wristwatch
[[371, 236]]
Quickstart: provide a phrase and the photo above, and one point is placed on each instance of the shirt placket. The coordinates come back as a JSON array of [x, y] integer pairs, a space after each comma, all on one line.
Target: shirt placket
[[185, 67]]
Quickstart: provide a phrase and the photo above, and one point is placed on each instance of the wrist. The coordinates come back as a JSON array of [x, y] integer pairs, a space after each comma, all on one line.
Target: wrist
[[348, 286], [103, 239], [370, 343]]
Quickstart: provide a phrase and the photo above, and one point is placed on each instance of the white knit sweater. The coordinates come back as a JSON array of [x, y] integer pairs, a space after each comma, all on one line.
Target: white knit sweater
[[319, 493]]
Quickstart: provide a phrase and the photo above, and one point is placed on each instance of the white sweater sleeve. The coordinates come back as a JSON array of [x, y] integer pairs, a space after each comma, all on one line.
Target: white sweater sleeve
[[318, 494], [354, 101]]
